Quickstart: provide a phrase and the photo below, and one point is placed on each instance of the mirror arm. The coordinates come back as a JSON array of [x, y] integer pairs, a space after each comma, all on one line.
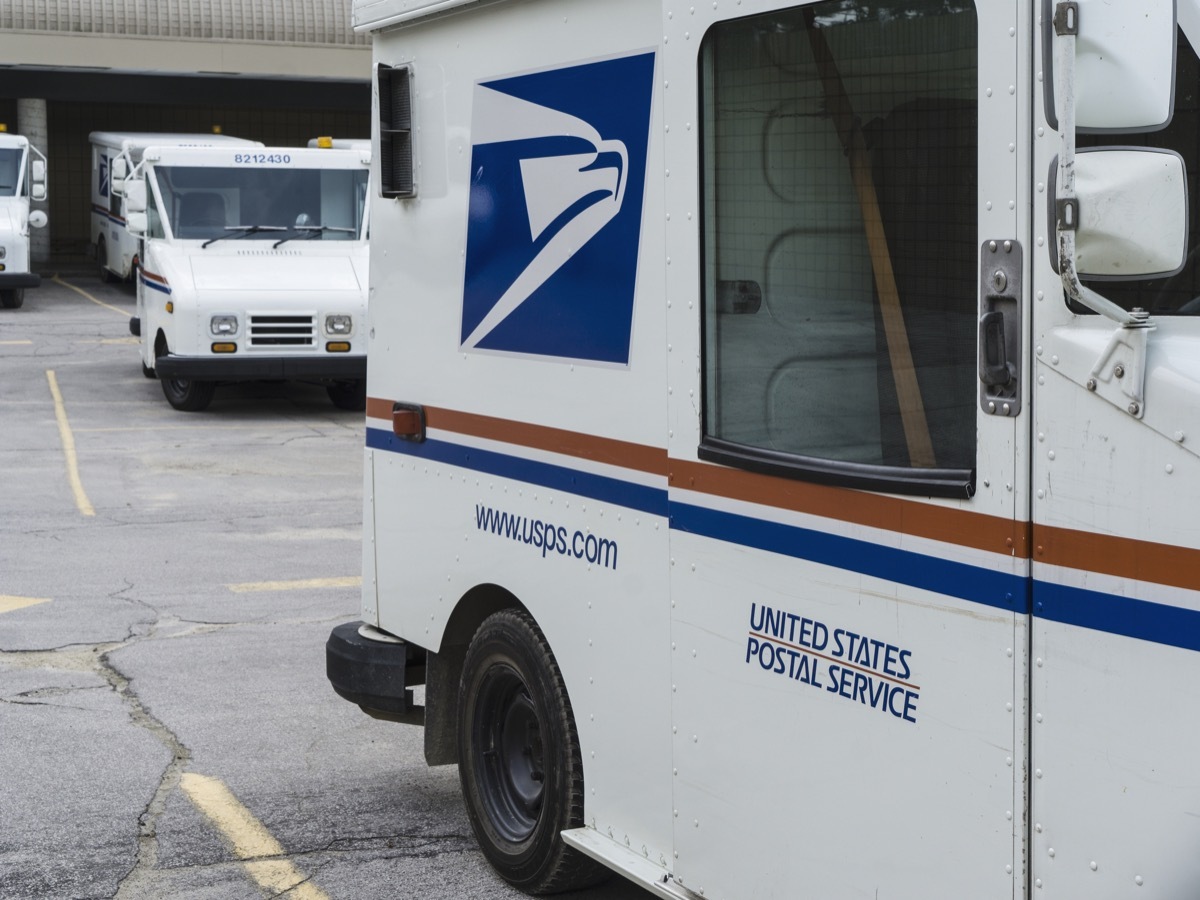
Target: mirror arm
[[1066, 29]]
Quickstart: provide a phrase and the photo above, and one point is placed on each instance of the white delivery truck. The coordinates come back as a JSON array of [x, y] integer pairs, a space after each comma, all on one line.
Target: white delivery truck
[[254, 267], [783, 486], [117, 251], [22, 179]]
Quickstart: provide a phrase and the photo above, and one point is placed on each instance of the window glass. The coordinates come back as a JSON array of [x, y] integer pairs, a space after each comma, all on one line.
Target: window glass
[[263, 204], [10, 170], [840, 249]]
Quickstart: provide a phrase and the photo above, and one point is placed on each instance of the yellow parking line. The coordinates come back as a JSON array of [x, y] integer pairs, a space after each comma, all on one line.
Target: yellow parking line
[[249, 587], [68, 442], [261, 855], [16, 343], [11, 604], [84, 293]]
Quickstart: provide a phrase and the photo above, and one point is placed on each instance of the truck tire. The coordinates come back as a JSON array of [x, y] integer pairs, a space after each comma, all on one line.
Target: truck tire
[[12, 299], [188, 396], [348, 394], [519, 759]]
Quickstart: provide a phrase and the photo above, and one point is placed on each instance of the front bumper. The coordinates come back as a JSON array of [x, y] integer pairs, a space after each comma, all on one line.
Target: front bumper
[[245, 368], [16, 280], [376, 673]]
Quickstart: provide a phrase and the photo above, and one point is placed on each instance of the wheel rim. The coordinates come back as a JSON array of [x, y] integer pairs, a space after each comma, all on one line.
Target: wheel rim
[[510, 765]]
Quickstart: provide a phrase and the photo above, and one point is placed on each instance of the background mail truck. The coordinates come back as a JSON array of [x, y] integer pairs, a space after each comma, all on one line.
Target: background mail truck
[[22, 179], [254, 267]]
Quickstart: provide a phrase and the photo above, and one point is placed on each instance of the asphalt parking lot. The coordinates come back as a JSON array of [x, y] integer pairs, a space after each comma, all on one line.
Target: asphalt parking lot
[[167, 582]]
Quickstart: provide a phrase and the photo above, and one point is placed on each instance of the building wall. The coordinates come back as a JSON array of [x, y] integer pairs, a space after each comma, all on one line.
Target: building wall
[[319, 22]]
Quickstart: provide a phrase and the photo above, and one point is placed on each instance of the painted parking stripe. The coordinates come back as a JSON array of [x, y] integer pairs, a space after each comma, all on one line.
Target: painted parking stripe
[[84, 293], [250, 587], [12, 604], [68, 442], [262, 856]]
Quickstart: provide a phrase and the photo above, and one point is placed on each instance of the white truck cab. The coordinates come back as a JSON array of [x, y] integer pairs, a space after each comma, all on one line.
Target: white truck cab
[[22, 179], [254, 267], [782, 430], [117, 251]]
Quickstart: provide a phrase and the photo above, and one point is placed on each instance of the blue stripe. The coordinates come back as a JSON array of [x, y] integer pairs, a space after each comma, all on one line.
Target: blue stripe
[[996, 589], [155, 285], [1124, 616], [560, 478]]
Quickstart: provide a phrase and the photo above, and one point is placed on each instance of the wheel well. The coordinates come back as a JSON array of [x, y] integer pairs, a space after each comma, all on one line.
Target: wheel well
[[160, 344], [444, 668]]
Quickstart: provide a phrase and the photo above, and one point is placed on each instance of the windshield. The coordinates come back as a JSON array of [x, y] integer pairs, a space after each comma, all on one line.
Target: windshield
[[10, 170], [209, 202]]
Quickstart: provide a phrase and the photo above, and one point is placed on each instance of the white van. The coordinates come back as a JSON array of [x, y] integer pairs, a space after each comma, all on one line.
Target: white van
[[254, 267], [22, 178], [116, 250], [783, 424]]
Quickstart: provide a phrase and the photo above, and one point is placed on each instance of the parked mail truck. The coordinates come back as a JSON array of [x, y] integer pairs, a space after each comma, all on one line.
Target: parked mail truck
[[783, 425], [253, 267], [22, 179]]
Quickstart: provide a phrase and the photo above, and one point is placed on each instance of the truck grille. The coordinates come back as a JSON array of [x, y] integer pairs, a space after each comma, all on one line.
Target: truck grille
[[282, 331]]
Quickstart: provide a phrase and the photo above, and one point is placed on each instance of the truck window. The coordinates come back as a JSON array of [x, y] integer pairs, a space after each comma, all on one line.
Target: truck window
[[815, 123], [207, 201], [10, 170], [1178, 294]]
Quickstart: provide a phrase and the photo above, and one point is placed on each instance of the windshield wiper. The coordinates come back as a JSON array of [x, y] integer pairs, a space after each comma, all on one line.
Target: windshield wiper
[[242, 231], [312, 231]]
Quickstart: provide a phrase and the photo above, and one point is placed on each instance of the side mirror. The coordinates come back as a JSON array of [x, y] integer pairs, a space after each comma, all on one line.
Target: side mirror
[[135, 223], [37, 171], [1131, 213], [37, 191], [38, 219], [1124, 62], [135, 197]]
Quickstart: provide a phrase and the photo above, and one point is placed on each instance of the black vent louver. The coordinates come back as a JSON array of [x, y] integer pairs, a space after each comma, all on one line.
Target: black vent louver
[[395, 132]]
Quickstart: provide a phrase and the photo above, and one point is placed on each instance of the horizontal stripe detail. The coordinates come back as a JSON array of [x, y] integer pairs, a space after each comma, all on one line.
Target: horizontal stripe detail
[[950, 526], [930, 573], [1121, 616], [150, 280], [1119, 557], [611, 452], [561, 478]]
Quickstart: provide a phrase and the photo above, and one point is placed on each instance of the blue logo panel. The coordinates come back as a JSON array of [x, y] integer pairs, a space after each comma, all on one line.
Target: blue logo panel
[[558, 173]]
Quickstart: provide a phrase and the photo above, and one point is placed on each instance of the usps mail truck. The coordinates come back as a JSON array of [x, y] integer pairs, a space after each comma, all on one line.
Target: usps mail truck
[[254, 267], [22, 179], [117, 251], [783, 426]]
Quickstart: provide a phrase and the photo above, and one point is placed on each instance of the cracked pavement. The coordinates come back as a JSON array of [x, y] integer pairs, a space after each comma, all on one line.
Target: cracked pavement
[[127, 662]]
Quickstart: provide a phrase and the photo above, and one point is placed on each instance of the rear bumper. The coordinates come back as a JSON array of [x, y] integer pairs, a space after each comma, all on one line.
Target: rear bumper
[[16, 280], [245, 368], [378, 675]]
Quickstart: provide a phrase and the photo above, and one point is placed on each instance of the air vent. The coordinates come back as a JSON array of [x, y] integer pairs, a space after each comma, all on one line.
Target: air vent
[[395, 132]]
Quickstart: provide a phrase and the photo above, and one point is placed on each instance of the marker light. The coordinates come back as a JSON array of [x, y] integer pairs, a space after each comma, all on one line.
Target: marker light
[[338, 346], [170, 307], [224, 325], [324, 142], [338, 324], [224, 348]]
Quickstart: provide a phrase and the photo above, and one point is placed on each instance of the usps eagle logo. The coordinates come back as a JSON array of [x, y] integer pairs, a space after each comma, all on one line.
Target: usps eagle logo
[[558, 173]]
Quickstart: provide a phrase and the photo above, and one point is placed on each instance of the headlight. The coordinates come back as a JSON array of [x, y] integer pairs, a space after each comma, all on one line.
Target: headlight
[[223, 325], [3, 252], [338, 324]]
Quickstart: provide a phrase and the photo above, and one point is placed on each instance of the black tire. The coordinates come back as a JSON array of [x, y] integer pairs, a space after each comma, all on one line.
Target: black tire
[[519, 758], [12, 299], [106, 275], [348, 394], [188, 396], [148, 372]]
